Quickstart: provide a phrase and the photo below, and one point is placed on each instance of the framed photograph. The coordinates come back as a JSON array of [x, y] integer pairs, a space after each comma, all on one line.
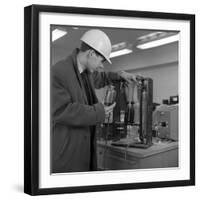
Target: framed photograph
[[109, 99]]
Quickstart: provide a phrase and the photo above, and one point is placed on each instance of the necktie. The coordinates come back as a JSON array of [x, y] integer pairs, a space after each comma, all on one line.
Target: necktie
[[88, 88], [91, 100]]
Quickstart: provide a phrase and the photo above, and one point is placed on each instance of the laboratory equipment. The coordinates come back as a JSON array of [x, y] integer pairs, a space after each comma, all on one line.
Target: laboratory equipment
[[144, 112], [109, 100], [165, 121]]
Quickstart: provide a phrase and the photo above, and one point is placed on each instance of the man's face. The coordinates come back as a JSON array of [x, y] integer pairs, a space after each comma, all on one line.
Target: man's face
[[94, 61]]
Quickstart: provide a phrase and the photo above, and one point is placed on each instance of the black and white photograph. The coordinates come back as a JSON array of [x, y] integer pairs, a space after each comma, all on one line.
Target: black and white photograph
[[114, 99], [109, 100]]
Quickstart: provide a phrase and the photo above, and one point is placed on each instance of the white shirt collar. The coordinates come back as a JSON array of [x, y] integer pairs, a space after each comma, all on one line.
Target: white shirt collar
[[80, 67]]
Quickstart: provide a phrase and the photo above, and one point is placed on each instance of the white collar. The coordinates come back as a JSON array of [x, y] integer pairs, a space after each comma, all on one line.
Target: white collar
[[80, 67]]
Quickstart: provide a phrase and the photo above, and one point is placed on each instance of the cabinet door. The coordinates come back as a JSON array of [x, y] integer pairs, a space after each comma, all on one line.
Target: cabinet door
[[109, 159], [116, 163]]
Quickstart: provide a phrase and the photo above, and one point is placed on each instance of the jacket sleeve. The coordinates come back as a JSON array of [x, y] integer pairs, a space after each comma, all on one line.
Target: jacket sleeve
[[102, 79], [65, 111]]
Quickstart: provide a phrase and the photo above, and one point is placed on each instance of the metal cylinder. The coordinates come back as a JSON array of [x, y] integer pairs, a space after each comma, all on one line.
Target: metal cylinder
[[110, 96]]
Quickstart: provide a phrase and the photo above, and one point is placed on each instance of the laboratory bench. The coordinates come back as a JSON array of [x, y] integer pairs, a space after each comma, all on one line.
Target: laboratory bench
[[159, 155]]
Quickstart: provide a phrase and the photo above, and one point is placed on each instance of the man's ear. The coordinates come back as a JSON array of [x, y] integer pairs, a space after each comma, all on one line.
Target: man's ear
[[91, 52]]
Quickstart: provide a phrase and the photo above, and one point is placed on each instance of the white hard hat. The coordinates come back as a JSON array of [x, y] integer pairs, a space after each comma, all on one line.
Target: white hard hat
[[99, 41]]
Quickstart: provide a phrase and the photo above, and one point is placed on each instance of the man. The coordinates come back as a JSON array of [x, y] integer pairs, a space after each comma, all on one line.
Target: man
[[75, 110]]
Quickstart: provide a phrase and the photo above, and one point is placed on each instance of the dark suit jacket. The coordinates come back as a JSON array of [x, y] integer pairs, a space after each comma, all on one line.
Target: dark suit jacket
[[73, 145]]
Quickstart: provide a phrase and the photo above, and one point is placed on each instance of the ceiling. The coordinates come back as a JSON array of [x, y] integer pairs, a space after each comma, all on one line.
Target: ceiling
[[63, 46]]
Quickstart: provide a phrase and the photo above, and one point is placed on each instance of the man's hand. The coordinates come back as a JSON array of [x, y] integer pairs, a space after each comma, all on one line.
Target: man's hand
[[109, 109], [127, 76]]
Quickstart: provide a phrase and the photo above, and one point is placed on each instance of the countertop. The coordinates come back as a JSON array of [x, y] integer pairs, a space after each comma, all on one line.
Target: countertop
[[156, 148]]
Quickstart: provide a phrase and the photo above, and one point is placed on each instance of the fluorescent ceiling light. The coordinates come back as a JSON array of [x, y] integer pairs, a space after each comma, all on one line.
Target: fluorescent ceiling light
[[120, 53], [57, 33], [159, 42], [119, 46]]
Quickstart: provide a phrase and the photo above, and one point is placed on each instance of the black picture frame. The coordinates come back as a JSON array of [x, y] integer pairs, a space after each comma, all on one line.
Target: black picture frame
[[31, 98]]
